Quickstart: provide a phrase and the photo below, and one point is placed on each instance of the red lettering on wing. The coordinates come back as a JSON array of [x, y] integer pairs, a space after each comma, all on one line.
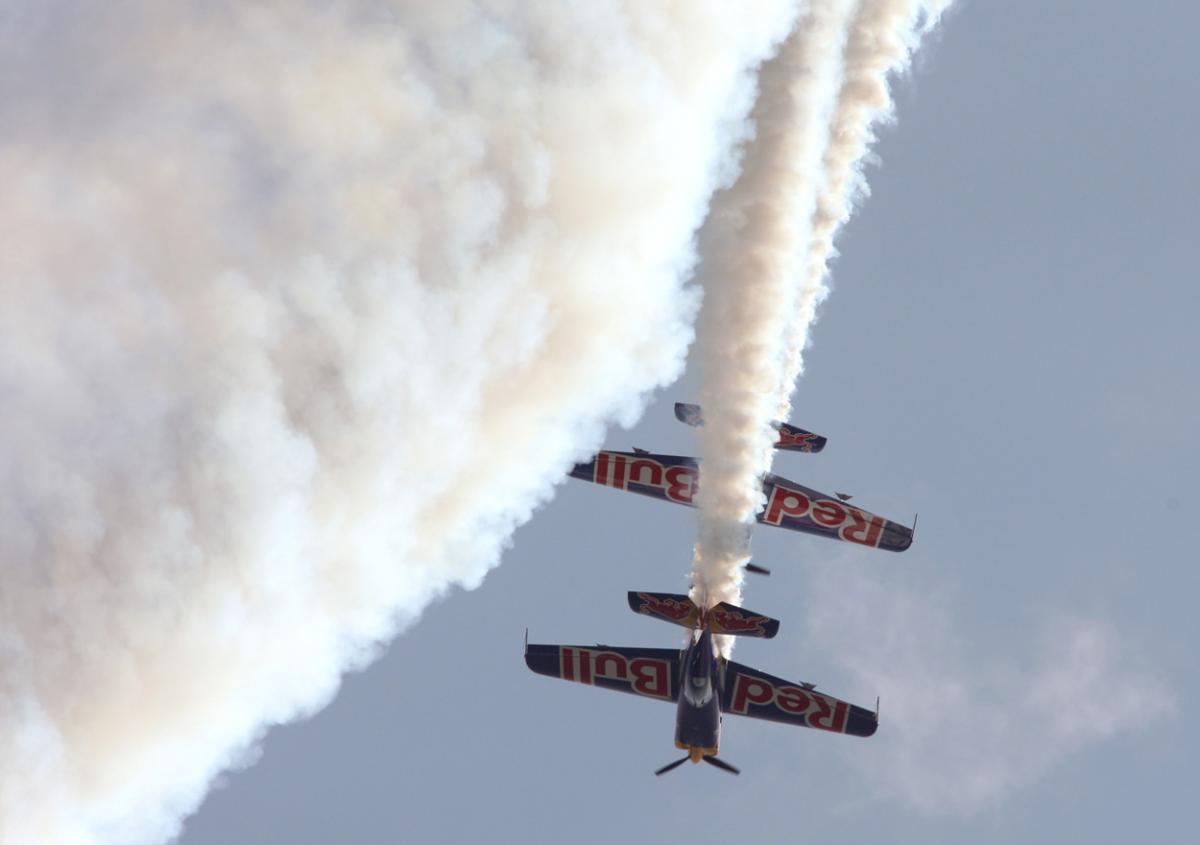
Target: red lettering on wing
[[830, 716], [608, 664], [785, 502], [638, 470], [863, 528], [749, 690], [651, 677], [827, 513], [681, 484], [619, 472], [601, 475], [791, 700], [567, 656]]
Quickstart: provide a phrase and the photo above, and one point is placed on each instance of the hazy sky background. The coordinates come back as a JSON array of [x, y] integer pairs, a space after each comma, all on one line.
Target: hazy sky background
[[1009, 350]]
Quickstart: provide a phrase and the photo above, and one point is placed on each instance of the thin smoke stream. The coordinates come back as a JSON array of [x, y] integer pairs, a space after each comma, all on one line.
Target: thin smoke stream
[[766, 246]]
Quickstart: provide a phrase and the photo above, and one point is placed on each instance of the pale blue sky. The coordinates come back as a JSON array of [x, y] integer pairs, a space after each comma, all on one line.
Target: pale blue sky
[[1009, 350]]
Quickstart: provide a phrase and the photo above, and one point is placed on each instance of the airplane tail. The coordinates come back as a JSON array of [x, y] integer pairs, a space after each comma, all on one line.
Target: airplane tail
[[791, 438], [724, 618]]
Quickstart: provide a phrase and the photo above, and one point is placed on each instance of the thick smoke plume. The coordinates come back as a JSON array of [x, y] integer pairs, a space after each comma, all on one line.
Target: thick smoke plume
[[766, 245], [303, 308]]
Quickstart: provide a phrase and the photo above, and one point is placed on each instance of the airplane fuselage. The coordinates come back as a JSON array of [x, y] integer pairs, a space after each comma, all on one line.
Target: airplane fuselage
[[698, 714]]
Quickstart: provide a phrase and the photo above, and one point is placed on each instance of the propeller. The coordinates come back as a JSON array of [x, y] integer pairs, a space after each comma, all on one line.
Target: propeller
[[715, 761], [721, 764], [670, 766]]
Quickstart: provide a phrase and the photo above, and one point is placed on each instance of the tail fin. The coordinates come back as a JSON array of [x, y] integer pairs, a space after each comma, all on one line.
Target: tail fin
[[724, 618], [688, 413]]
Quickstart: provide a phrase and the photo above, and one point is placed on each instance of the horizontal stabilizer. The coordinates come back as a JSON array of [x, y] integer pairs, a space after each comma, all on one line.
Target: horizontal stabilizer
[[724, 618], [791, 438], [669, 607], [734, 621]]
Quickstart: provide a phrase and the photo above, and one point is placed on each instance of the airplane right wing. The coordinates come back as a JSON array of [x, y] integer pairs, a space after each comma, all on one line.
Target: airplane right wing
[[800, 508], [652, 672], [749, 692]]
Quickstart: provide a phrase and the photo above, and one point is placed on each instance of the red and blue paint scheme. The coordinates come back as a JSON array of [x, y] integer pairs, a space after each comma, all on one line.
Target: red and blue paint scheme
[[722, 618], [790, 505], [703, 684], [791, 438]]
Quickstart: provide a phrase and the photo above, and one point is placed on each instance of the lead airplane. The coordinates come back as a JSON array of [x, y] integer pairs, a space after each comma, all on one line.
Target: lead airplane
[[703, 684], [676, 478]]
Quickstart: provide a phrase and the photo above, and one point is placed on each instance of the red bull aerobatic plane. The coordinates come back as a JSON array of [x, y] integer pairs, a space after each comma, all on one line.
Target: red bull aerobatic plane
[[790, 505], [703, 685]]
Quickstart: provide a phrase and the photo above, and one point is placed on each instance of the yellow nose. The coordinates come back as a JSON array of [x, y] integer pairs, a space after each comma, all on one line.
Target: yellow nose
[[697, 754]]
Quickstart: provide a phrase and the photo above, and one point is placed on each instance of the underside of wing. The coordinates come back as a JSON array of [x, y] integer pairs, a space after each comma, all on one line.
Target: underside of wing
[[749, 692], [651, 672], [676, 478], [799, 508], [670, 477]]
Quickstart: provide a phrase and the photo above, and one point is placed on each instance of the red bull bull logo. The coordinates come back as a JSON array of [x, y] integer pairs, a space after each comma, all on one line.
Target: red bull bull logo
[[667, 607], [733, 622], [801, 440]]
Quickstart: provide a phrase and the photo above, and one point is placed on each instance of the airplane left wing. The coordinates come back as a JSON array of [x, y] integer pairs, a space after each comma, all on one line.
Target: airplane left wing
[[749, 692], [652, 672]]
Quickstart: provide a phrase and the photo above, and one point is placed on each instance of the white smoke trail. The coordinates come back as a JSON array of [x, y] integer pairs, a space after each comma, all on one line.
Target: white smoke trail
[[766, 244], [303, 307], [749, 245], [881, 44]]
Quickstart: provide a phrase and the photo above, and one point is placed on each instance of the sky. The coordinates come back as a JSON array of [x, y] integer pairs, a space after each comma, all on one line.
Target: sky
[[1009, 351]]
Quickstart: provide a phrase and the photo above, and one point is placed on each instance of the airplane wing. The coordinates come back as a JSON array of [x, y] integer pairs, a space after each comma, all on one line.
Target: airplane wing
[[799, 508], [791, 438], [749, 692], [652, 672], [675, 478]]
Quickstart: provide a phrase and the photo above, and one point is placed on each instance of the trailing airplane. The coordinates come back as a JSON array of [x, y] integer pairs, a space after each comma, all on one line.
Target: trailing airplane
[[703, 684], [790, 505]]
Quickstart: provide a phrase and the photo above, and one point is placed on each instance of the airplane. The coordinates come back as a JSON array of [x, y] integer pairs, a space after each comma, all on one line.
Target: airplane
[[790, 505], [703, 685], [791, 438]]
